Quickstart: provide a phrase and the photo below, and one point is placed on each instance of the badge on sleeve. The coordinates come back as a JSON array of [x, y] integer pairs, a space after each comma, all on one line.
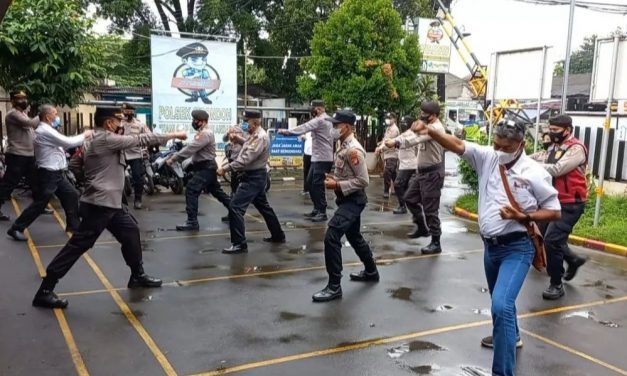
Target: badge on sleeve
[[354, 157]]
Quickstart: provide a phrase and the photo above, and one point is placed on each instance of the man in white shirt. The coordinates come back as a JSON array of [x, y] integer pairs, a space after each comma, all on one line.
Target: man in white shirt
[[50, 146], [508, 247]]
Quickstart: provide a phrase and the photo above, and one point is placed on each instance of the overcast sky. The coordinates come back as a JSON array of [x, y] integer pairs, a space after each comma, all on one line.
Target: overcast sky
[[498, 25]]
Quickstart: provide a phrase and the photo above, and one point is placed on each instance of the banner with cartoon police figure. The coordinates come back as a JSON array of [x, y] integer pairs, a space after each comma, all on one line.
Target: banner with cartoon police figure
[[189, 74]]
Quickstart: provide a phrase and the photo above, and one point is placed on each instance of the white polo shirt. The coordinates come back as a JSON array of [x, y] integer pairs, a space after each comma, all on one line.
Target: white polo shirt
[[530, 184]]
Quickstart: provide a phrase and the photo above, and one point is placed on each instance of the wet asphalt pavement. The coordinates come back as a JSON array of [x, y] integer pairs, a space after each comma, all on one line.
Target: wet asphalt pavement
[[252, 314]]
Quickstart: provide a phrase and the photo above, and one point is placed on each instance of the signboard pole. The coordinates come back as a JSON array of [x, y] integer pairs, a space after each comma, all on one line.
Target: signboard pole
[[493, 99], [606, 132], [569, 39], [539, 108]]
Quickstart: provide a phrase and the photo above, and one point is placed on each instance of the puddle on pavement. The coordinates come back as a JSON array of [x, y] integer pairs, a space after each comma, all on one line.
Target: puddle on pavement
[[424, 369], [289, 316], [453, 229], [590, 316], [207, 250], [291, 338], [462, 257], [137, 313], [600, 284], [399, 351], [482, 311], [288, 224], [260, 268], [201, 267], [298, 251], [372, 232], [474, 371], [441, 308], [403, 293]]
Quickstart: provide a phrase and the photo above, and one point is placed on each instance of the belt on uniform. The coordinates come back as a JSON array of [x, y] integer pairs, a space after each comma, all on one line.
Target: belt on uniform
[[206, 164], [432, 168], [254, 171], [505, 239]]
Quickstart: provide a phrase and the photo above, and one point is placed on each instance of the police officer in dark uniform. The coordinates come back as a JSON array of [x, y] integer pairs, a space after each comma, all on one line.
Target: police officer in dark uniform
[[102, 206], [202, 150], [252, 160], [20, 153], [349, 183], [195, 56], [134, 158]]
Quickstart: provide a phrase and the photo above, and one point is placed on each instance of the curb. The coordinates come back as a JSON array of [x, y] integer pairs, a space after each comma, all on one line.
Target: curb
[[597, 245]]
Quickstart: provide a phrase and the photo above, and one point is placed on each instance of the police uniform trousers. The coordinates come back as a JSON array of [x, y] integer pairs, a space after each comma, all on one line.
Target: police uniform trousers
[[137, 175], [401, 183], [17, 166], [423, 198], [252, 189], [204, 178], [346, 221], [389, 173], [556, 241], [51, 183], [317, 189], [306, 172], [95, 219], [235, 180]]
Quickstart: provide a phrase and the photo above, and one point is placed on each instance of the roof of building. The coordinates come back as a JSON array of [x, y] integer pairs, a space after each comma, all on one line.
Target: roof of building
[[578, 84], [122, 90]]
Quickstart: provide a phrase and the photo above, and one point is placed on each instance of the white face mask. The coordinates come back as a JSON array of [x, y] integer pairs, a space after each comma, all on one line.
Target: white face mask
[[388, 121], [505, 158], [335, 133]]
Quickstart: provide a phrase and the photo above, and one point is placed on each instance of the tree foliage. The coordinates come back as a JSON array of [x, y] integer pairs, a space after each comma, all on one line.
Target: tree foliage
[[47, 50], [581, 60], [362, 58]]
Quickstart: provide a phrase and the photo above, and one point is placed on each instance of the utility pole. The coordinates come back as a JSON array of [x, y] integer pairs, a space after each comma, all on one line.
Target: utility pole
[[571, 18]]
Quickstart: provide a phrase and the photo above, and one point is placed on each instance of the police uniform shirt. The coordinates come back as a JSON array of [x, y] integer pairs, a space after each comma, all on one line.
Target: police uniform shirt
[[572, 158], [530, 184], [20, 133], [104, 165], [321, 130], [236, 147], [351, 172], [407, 156], [50, 146], [201, 148], [429, 152], [134, 128], [254, 154], [391, 131]]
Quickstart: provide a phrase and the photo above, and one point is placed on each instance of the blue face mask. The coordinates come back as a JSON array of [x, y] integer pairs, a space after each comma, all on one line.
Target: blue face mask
[[244, 126], [56, 123]]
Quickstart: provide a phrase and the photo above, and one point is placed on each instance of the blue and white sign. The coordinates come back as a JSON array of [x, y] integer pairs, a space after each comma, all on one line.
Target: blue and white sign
[[286, 151]]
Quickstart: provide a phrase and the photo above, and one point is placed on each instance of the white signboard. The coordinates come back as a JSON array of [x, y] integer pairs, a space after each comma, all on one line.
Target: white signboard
[[190, 74], [434, 45], [602, 70], [518, 74]]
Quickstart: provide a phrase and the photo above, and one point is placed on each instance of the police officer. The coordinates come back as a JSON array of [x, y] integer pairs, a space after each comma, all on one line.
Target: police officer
[[102, 206], [50, 146], [236, 137], [20, 153], [322, 156], [566, 161], [132, 126], [349, 183], [423, 195], [408, 163], [252, 161], [202, 150], [390, 155]]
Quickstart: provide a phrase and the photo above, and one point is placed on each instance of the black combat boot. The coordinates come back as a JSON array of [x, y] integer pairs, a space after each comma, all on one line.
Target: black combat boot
[[433, 248]]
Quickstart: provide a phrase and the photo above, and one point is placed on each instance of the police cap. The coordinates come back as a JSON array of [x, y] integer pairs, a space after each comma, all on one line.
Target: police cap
[[193, 49], [201, 115], [344, 116], [563, 121], [430, 107], [390, 115], [16, 94], [103, 113], [408, 119], [251, 114], [126, 106], [317, 103]]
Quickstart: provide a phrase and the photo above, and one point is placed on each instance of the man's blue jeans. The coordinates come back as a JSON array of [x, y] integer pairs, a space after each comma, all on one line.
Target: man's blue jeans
[[506, 267]]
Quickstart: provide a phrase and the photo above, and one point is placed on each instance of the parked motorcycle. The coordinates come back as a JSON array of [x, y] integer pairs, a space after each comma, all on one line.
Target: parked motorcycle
[[166, 175]]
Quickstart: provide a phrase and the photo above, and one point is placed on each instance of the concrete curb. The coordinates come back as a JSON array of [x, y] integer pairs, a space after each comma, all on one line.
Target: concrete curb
[[614, 249]]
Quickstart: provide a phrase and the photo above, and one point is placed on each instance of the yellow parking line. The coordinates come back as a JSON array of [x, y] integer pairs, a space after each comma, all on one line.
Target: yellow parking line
[[126, 310], [274, 272], [387, 340], [581, 354], [77, 358]]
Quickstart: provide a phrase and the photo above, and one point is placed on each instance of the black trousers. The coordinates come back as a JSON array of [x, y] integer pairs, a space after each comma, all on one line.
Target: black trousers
[[51, 183], [316, 190], [235, 180], [17, 166], [346, 221], [137, 176], [556, 241], [203, 178], [95, 219], [423, 200], [306, 169], [389, 173], [401, 183], [252, 189]]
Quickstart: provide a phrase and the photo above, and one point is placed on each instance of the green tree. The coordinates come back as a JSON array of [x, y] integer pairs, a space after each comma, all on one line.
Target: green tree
[[362, 58], [581, 60], [127, 62], [47, 50]]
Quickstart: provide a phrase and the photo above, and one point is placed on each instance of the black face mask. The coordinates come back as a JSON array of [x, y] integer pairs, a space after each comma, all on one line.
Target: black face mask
[[557, 137], [195, 125], [313, 113], [425, 118], [547, 145], [21, 104], [129, 117]]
